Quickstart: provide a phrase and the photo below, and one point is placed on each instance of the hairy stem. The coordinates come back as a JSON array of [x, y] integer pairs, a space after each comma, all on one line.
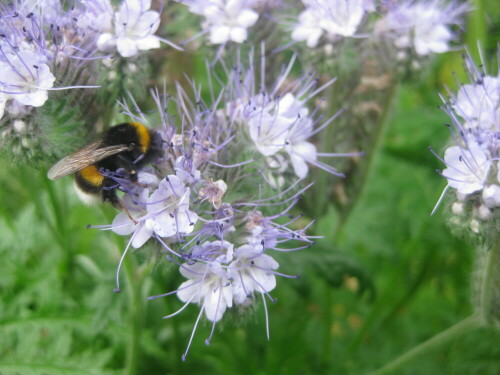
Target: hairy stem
[[489, 285], [452, 333]]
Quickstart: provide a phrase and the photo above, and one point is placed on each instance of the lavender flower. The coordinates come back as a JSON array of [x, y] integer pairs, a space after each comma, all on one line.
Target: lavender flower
[[466, 168], [421, 27], [335, 19], [277, 120], [225, 20], [134, 28], [25, 78], [471, 164]]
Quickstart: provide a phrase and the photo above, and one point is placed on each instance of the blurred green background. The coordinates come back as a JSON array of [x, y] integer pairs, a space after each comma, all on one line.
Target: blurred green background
[[393, 277]]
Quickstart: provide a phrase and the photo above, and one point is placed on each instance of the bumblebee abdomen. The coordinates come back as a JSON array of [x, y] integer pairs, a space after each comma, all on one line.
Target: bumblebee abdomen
[[143, 136], [89, 184], [90, 176]]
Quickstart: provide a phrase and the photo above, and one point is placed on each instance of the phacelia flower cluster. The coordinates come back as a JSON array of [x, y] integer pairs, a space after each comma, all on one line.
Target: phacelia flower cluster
[[47, 47], [472, 161], [209, 201]]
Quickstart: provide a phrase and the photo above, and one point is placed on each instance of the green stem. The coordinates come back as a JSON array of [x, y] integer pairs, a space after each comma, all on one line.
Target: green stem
[[487, 287], [477, 29], [322, 179], [370, 155], [455, 331], [135, 311], [327, 347]]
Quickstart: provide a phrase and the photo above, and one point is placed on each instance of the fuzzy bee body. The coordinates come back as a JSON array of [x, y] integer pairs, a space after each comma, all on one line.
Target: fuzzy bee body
[[127, 146]]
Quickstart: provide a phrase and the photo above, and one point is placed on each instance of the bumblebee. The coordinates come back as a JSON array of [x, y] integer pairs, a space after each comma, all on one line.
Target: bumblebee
[[127, 146]]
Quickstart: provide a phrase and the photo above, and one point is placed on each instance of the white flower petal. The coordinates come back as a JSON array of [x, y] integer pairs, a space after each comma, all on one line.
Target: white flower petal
[[150, 42], [238, 34], [126, 47], [247, 18], [122, 224], [144, 233], [189, 290], [466, 169], [219, 34]]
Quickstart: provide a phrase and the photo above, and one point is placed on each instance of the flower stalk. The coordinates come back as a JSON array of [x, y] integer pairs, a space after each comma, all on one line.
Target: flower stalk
[[464, 326], [489, 302]]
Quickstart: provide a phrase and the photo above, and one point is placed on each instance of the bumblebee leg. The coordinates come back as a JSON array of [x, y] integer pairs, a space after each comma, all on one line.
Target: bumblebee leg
[[124, 209], [109, 195], [127, 164]]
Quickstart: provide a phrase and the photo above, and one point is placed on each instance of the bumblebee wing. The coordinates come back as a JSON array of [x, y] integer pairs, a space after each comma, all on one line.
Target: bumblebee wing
[[88, 155]]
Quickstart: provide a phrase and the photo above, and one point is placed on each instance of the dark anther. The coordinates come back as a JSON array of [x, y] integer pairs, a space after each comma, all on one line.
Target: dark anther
[[75, 19], [88, 226], [171, 215], [252, 262], [36, 66], [117, 290], [29, 15], [24, 28]]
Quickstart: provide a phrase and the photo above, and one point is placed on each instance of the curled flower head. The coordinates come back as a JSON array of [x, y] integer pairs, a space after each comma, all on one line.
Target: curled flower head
[[471, 164], [278, 121]]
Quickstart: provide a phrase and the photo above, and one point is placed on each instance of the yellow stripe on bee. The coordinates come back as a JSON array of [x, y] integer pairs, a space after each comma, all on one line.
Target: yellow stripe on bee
[[91, 175], [143, 135]]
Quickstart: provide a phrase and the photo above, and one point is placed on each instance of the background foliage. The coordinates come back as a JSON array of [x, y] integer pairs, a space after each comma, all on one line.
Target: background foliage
[[390, 278]]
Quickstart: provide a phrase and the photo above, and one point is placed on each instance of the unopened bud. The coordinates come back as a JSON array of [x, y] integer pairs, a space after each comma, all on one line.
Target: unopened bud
[[491, 196], [457, 208]]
